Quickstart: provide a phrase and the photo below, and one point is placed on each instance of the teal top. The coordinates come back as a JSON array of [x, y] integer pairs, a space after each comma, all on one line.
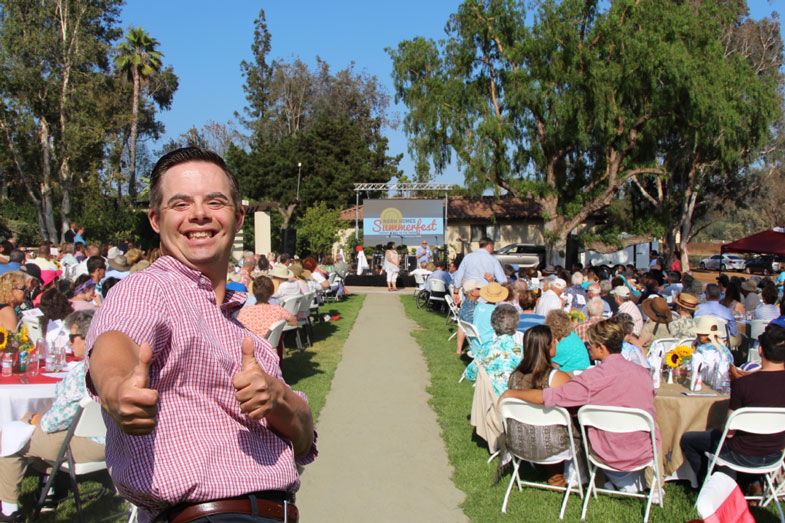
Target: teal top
[[571, 354]]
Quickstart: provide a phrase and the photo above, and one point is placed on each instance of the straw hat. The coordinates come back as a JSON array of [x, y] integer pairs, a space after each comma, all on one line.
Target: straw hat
[[710, 326], [281, 271], [119, 263], [686, 300], [657, 309], [493, 293], [749, 286]]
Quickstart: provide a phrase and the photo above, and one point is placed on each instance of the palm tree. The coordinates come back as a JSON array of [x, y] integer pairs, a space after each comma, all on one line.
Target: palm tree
[[138, 59]]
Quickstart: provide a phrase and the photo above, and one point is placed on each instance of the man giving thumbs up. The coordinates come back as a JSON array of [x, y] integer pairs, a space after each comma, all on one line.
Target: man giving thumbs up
[[199, 420]]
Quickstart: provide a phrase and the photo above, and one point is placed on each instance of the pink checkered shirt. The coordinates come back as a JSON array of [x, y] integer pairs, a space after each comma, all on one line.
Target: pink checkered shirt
[[203, 446]]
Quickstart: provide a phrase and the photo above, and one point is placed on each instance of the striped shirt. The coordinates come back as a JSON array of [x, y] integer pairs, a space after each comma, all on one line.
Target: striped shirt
[[203, 446]]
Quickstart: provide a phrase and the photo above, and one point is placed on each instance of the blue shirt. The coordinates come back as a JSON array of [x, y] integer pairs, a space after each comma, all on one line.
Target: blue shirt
[[482, 320], [441, 275], [529, 320], [475, 265], [466, 312], [78, 238], [423, 254], [571, 354], [10, 266], [716, 309]]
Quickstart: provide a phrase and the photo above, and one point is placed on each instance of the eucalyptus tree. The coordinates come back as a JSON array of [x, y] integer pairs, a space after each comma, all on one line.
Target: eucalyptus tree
[[53, 59]]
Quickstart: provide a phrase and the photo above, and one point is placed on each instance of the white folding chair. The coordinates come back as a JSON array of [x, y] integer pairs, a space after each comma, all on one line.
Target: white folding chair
[[755, 420], [419, 279], [756, 329], [274, 334], [87, 423], [523, 412], [292, 306], [437, 292], [452, 314], [473, 337], [303, 315], [619, 420]]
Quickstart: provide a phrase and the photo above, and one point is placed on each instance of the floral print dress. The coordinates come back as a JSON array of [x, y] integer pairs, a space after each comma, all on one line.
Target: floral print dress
[[499, 358]]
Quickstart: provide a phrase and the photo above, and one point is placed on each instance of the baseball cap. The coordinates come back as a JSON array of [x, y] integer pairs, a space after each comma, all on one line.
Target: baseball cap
[[621, 291]]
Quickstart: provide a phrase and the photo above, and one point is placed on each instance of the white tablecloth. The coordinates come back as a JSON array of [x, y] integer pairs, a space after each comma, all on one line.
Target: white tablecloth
[[16, 400]]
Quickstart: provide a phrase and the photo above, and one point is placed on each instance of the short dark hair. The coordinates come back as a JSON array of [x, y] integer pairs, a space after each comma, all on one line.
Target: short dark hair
[[184, 155], [107, 285], [263, 263], [95, 262], [17, 256], [527, 300], [769, 294], [263, 288], [772, 341], [608, 333], [485, 241], [54, 304]]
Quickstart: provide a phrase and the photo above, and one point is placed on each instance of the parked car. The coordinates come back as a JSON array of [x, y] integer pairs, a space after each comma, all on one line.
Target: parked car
[[524, 255], [766, 264], [723, 262]]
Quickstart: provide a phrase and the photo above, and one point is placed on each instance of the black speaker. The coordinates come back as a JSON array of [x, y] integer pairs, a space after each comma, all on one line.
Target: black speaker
[[288, 241], [377, 259]]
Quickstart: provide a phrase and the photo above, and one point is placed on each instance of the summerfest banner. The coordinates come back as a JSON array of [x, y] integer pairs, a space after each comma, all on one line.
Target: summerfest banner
[[405, 222]]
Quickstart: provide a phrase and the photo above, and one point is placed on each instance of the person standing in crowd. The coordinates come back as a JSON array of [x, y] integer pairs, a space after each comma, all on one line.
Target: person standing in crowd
[[79, 236], [480, 266], [423, 253], [187, 392], [70, 234], [392, 265], [751, 298]]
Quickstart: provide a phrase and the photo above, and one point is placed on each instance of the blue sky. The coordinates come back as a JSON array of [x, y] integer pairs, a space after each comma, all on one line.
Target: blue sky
[[205, 41]]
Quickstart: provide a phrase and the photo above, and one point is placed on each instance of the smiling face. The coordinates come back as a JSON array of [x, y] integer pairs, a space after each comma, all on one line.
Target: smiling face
[[197, 220]]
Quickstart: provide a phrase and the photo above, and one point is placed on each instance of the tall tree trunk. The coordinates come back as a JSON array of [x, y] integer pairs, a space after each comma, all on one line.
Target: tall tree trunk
[[39, 214], [50, 231], [132, 144]]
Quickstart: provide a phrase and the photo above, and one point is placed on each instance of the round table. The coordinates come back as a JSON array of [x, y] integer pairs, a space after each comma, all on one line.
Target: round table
[[16, 400], [677, 414]]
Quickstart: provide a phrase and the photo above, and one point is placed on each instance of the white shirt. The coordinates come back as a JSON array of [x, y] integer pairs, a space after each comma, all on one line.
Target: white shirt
[[548, 301]]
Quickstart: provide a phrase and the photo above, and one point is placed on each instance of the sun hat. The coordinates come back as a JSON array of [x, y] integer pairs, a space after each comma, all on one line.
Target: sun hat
[[470, 285], [686, 300], [622, 291], [119, 263], [297, 270], [49, 276], [114, 251], [709, 325], [281, 271], [657, 309], [493, 293], [749, 286], [31, 269]]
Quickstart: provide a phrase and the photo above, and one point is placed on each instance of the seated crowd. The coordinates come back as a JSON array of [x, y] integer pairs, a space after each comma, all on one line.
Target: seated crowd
[[590, 343]]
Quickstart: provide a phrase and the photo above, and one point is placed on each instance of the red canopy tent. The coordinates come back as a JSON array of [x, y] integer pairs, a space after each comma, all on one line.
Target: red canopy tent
[[766, 242]]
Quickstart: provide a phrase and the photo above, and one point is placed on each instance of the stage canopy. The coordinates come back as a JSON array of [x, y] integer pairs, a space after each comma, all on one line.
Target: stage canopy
[[766, 242]]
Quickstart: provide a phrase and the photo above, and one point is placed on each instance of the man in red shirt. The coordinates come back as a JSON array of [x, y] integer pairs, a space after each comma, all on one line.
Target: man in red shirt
[[199, 420]]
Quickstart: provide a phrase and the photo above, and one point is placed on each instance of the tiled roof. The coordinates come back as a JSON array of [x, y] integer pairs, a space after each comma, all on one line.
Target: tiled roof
[[478, 207]]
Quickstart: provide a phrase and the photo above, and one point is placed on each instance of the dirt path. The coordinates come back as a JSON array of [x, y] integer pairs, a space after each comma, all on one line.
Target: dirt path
[[381, 456]]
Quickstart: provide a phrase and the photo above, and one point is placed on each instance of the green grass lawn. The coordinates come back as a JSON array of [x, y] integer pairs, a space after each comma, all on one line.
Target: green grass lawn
[[468, 454], [310, 371]]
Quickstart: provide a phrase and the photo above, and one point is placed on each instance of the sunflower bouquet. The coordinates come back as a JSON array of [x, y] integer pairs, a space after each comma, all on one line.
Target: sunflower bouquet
[[15, 341], [577, 316], [679, 359]]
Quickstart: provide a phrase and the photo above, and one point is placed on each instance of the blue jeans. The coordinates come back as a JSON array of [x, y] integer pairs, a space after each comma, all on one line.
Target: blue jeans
[[695, 444]]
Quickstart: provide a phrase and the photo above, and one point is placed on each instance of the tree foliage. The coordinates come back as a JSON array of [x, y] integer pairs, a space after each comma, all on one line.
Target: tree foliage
[[318, 228], [569, 107], [64, 122]]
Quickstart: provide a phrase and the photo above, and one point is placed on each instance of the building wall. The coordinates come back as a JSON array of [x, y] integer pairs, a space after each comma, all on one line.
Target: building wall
[[509, 232]]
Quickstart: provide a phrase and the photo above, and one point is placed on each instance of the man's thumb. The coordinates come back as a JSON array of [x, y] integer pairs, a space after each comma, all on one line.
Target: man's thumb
[[248, 357], [142, 369]]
